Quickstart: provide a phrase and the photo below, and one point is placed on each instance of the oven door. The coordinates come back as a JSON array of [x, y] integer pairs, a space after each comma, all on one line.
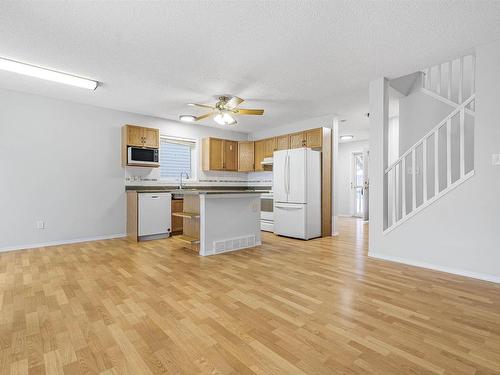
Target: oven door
[[137, 155], [267, 207]]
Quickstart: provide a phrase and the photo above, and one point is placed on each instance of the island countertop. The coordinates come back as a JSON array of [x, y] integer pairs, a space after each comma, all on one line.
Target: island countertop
[[198, 192]]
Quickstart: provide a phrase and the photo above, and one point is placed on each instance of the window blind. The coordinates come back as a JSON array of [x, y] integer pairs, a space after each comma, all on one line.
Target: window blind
[[175, 157]]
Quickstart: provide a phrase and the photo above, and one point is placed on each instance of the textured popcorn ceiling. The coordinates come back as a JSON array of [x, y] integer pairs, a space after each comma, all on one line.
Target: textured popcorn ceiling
[[294, 59]]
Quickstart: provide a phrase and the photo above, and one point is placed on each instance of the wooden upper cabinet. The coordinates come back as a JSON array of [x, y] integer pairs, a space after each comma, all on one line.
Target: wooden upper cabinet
[[283, 142], [314, 138], [140, 136], [259, 154], [213, 154], [219, 155], [269, 147], [134, 136], [298, 140], [246, 156], [151, 138], [230, 156]]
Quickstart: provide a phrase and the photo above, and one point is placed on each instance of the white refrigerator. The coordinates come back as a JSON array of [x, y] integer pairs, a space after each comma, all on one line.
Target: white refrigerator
[[297, 193]]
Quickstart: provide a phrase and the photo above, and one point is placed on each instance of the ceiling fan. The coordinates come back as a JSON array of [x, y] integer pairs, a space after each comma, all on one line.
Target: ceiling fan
[[223, 111]]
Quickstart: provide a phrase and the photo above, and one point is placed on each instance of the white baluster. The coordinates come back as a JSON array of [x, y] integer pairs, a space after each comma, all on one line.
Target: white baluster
[[436, 162], [403, 188], [460, 80], [449, 79], [394, 198], [413, 181], [462, 142], [448, 152], [438, 87], [473, 81], [424, 169]]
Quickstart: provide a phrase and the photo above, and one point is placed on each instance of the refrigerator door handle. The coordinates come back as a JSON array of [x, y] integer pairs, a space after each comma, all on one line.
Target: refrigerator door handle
[[289, 207]]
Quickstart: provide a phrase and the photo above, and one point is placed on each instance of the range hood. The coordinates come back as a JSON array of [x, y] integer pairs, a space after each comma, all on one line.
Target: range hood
[[267, 161]]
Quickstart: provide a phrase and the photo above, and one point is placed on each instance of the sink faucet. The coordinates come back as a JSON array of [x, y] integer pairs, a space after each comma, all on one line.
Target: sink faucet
[[180, 183]]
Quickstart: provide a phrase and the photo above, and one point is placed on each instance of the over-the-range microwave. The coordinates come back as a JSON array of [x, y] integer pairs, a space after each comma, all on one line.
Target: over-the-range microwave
[[139, 155]]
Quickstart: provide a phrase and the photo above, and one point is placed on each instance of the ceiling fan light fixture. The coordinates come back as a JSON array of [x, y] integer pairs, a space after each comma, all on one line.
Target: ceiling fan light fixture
[[224, 118], [187, 118]]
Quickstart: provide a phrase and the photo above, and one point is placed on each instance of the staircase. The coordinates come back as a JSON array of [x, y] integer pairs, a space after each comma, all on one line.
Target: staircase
[[444, 157]]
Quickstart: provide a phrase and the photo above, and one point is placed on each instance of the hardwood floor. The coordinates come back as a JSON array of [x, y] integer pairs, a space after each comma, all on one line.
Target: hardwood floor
[[288, 307]]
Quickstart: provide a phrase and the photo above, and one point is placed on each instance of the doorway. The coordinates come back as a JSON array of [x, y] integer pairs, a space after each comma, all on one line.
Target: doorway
[[358, 184]]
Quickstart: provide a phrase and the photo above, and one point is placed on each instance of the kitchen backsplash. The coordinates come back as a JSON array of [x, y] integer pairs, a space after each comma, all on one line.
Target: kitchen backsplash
[[147, 176]]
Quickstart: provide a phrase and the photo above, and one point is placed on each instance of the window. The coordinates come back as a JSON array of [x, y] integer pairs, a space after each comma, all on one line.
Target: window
[[177, 156]]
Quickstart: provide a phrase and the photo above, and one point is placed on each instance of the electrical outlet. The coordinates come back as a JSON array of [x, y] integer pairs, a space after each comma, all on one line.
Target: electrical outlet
[[40, 224], [495, 159]]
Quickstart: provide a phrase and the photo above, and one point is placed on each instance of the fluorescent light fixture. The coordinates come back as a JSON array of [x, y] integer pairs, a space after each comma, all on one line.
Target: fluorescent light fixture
[[187, 118], [224, 118], [346, 137], [47, 74]]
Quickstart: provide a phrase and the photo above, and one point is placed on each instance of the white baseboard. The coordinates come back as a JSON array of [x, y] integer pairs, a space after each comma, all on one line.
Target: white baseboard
[[62, 242], [455, 271]]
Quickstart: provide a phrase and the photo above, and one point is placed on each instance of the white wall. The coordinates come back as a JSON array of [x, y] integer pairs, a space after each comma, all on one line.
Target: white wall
[[418, 113], [60, 163], [344, 175], [459, 233]]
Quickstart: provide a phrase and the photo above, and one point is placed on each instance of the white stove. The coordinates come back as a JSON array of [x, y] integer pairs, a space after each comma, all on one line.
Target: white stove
[[267, 212]]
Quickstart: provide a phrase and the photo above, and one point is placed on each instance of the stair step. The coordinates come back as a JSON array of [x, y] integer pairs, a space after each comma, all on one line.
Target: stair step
[[187, 215], [188, 239]]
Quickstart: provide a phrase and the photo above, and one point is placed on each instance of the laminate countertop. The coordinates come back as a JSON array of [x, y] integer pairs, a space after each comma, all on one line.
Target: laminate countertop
[[198, 192]]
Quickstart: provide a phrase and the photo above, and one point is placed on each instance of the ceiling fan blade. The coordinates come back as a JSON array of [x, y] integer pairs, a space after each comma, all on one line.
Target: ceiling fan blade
[[234, 102], [242, 111], [201, 105], [203, 116]]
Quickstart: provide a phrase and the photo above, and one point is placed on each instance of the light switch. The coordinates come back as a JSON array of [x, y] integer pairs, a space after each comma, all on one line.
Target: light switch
[[495, 159]]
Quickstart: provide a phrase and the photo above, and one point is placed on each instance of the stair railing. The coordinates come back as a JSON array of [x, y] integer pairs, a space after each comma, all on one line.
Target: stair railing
[[439, 79], [396, 191]]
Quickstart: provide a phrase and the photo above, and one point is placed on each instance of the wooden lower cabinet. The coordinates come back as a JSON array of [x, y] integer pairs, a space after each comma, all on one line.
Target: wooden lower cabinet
[[177, 206], [246, 156], [260, 153]]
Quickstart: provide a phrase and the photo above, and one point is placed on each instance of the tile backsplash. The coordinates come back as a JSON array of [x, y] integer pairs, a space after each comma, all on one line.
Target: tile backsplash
[[135, 176]]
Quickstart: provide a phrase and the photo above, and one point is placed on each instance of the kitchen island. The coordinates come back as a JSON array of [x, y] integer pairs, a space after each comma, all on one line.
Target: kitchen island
[[220, 221], [214, 221]]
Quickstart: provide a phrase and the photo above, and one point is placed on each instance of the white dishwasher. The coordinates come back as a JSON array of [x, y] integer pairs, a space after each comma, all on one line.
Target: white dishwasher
[[154, 213]]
